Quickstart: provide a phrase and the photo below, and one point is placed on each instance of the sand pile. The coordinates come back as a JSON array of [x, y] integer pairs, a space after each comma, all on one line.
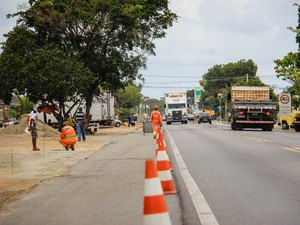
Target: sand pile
[[44, 130]]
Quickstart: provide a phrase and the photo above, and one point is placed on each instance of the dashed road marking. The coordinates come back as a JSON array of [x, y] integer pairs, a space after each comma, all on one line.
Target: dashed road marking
[[256, 139], [292, 149], [204, 212]]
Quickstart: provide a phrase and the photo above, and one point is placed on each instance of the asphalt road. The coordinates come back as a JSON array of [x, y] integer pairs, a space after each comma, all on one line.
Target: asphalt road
[[247, 177]]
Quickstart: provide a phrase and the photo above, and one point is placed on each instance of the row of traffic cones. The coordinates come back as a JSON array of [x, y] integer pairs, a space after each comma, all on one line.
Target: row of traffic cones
[[158, 181]]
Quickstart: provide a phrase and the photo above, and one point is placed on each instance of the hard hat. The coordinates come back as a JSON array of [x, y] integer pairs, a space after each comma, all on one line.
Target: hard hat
[[155, 107]]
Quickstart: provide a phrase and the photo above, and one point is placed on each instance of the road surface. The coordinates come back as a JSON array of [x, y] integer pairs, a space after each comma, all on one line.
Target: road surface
[[247, 177]]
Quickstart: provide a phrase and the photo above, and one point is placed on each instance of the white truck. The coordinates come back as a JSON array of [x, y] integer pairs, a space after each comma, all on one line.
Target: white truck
[[176, 107]]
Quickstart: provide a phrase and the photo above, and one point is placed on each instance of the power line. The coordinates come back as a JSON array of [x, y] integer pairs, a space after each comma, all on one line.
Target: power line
[[199, 77], [191, 63], [177, 87]]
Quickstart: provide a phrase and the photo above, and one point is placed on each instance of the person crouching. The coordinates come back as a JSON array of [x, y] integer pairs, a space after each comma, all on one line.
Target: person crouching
[[68, 137]]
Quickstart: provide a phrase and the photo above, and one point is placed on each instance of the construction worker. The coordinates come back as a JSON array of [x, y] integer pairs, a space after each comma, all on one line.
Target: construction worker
[[156, 119], [68, 137], [32, 126]]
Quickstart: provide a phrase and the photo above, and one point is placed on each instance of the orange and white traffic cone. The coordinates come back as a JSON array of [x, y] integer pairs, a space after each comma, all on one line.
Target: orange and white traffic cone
[[164, 173], [155, 207], [160, 136], [160, 147]]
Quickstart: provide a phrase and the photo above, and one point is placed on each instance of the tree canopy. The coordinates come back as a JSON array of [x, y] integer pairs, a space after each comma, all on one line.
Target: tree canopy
[[104, 42], [288, 68], [220, 78]]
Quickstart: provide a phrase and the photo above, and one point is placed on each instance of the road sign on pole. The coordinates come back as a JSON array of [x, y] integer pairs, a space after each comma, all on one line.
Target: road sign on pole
[[285, 104], [197, 96]]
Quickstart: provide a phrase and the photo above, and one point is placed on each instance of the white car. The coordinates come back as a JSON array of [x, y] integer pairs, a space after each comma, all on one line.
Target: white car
[[116, 123]]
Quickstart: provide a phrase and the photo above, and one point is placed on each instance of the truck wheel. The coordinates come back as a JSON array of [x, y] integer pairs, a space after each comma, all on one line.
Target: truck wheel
[[168, 123], [297, 128], [118, 124], [233, 127], [284, 125]]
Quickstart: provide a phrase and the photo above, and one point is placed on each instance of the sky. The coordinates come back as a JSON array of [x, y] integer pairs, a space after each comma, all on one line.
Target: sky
[[210, 32]]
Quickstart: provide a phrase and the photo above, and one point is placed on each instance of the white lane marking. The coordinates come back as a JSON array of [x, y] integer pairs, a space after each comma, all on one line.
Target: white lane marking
[[204, 212], [292, 149]]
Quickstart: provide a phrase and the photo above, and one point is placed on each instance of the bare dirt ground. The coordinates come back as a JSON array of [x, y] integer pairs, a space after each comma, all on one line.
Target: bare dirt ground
[[22, 169]]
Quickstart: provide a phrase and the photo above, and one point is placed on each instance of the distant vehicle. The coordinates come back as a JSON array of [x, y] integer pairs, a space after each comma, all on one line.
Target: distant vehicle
[[116, 123], [204, 117], [289, 121], [296, 121], [176, 107], [190, 116], [252, 108]]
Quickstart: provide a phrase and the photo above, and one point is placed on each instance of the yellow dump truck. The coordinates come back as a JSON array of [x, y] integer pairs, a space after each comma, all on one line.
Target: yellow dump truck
[[286, 122]]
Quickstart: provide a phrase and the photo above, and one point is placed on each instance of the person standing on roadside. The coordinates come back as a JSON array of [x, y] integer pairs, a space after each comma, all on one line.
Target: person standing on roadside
[[129, 119], [156, 119], [79, 120], [32, 126], [68, 136]]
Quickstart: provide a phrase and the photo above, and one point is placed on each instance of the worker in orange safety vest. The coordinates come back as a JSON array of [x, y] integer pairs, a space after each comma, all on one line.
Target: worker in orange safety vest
[[156, 119], [68, 137]]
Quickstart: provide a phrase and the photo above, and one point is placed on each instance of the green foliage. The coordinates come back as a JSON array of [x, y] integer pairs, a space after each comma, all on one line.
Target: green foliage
[[288, 69], [220, 78], [60, 39], [151, 102], [128, 97], [24, 107]]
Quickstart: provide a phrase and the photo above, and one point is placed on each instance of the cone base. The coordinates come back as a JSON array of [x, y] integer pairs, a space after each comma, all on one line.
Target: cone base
[[170, 192]]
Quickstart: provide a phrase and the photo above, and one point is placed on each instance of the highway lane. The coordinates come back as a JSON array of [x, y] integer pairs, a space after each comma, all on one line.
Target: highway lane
[[247, 177]]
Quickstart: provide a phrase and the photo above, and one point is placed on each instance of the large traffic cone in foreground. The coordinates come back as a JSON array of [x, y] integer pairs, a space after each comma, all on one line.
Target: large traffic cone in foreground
[[155, 207], [164, 173]]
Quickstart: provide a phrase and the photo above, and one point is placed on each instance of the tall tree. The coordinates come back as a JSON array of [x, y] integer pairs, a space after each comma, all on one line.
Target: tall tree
[[111, 38], [127, 100], [220, 78], [288, 68], [43, 73]]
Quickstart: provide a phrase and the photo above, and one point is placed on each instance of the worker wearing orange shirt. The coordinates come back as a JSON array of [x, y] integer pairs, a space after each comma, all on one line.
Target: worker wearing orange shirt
[[156, 120], [68, 137]]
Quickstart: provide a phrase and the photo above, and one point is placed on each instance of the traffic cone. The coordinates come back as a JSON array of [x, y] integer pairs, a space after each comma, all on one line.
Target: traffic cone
[[160, 136], [155, 207], [160, 146], [164, 173]]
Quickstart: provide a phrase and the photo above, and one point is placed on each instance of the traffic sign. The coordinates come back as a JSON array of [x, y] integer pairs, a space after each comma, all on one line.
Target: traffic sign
[[285, 98]]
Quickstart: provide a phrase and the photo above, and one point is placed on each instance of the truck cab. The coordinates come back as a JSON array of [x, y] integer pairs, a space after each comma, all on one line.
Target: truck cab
[[176, 108]]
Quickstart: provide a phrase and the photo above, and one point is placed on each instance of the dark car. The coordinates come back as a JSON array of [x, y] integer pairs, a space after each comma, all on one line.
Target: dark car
[[204, 117]]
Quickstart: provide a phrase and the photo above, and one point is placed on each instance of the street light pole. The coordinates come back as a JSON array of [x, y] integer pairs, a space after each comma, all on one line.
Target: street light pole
[[220, 105]]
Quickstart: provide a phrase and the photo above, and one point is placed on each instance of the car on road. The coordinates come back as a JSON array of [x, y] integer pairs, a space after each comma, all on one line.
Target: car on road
[[204, 117], [116, 123]]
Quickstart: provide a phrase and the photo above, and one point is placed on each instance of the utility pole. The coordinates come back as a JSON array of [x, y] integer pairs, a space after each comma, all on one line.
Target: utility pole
[[298, 28]]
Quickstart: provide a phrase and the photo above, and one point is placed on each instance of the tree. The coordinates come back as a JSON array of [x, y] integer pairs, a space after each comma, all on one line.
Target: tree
[[151, 102], [109, 38], [42, 73], [220, 78], [24, 107], [288, 68], [127, 100]]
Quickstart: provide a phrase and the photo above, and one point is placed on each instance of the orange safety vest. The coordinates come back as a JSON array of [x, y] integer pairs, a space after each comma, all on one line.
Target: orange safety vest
[[156, 117], [67, 132]]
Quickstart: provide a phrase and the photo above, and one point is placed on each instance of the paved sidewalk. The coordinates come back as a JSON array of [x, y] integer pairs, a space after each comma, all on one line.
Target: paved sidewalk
[[106, 188]]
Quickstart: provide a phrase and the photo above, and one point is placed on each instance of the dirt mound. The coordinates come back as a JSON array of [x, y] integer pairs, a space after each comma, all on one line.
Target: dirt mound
[[44, 130]]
